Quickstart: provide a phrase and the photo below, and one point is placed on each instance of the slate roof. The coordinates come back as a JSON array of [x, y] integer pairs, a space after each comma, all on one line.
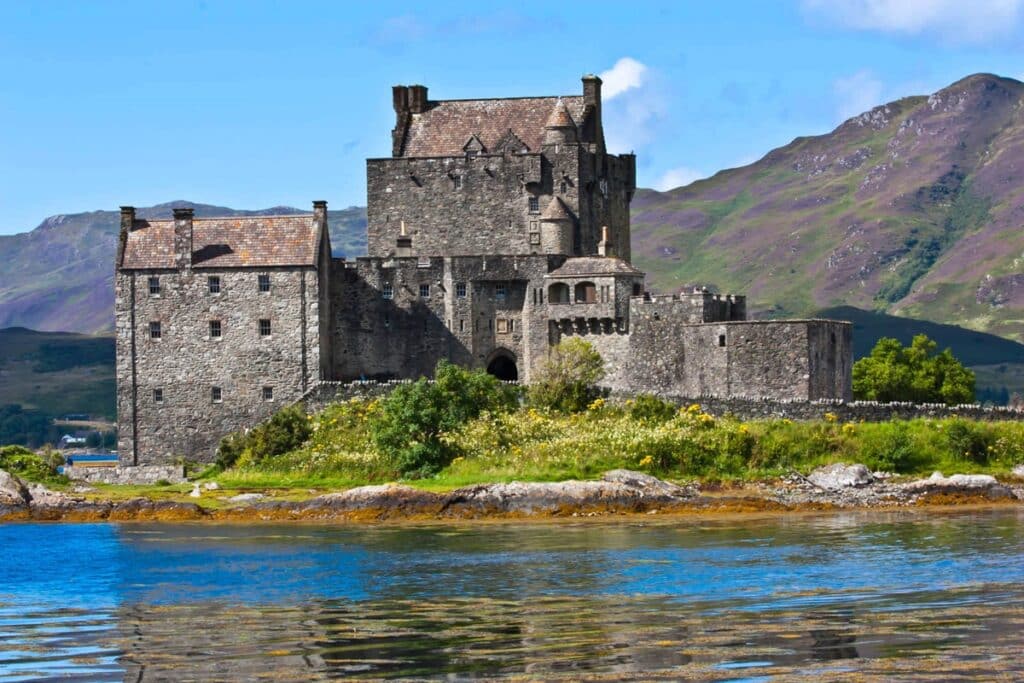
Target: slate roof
[[446, 125], [593, 265], [237, 242]]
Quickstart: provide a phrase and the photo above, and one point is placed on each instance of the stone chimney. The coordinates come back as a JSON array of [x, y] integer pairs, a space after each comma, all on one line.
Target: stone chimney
[[592, 101], [417, 99], [605, 247], [127, 218], [400, 100], [320, 211], [183, 238], [403, 245]]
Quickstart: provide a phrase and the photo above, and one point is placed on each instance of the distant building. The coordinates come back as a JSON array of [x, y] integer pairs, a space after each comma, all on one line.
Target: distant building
[[496, 228], [68, 441]]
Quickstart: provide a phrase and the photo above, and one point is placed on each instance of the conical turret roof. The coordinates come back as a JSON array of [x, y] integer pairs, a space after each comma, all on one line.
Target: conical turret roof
[[556, 211], [560, 116]]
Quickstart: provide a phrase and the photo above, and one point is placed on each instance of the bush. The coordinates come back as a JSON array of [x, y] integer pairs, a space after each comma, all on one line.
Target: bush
[[646, 407], [25, 464], [285, 431], [567, 380], [968, 440], [414, 419], [914, 373]]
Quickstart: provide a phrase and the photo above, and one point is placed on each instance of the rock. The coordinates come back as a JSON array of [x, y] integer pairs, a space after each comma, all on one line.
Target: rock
[[644, 483], [195, 492], [211, 486], [12, 491], [962, 484], [840, 476], [40, 496], [246, 497], [1018, 470]]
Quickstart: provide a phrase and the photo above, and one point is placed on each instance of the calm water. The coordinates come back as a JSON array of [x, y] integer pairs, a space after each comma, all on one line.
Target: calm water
[[853, 596]]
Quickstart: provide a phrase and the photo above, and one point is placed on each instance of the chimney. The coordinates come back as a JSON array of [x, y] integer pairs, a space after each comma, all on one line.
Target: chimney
[[592, 101], [183, 238], [403, 245], [319, 210], [400, 99], [605, 246], [127, 218], [417, 99]]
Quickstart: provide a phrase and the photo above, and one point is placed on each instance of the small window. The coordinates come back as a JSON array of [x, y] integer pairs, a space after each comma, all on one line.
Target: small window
[[563, 187], [500, 292], [460, 290], [424, 291], [264, 281], [154, 329], [388, 292], [387, 320], [154, 286], [462, 325], [213, 282], [264, 327], [721, 340], [534, 205], [503, 327], [268, 393], [214, 329], [216, 396], [457, 182], [158, 396], [490, 325], [511, 325]]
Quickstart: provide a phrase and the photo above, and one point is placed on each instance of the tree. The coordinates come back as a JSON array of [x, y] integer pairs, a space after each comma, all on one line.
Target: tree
[[414, 418], [914, 373], [567, 380]]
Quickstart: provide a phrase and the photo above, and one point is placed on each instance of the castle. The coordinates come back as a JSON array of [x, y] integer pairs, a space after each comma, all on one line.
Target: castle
[[496, 228]]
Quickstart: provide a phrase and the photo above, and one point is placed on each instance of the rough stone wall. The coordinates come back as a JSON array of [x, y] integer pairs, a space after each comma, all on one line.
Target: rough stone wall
[[607, 185], [185, 362], [141, 474], [830, 346]]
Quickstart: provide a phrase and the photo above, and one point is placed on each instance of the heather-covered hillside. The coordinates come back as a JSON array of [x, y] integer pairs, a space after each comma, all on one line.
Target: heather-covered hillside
[[913, 208]]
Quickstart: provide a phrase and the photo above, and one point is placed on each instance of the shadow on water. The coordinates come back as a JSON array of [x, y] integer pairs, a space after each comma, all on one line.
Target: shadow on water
[[860, 595]]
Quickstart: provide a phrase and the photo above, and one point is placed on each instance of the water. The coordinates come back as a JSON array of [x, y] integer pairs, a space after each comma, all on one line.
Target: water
[[839, 597]]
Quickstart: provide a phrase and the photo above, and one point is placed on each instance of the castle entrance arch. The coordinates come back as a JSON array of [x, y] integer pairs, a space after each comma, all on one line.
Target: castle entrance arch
[[502, 365]]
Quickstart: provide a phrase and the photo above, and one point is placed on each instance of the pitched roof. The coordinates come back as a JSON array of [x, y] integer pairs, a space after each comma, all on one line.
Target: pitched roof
[[250, 241], [560, 116], [446, 125], [593, 265]]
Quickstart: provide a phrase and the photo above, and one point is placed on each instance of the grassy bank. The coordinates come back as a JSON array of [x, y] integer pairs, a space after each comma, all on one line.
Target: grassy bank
[[676, 444]]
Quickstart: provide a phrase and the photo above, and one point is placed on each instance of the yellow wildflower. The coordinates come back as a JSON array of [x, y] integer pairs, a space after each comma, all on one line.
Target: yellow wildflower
[[831, 417], [646, 460]]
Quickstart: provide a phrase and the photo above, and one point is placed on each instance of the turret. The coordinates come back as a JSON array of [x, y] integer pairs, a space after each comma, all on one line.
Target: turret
[[560, 128]]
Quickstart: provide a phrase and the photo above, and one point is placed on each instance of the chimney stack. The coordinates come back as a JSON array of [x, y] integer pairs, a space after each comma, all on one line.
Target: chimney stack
[[592, 101], [417, 99], [403, 245], [183, 238], [127, 218], [605, 247], [319, 210]]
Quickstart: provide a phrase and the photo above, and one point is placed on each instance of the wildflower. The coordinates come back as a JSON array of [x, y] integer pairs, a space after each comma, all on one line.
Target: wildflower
[[693, 409], [646, 461], [744, 429], [849, 428], [831, 417]]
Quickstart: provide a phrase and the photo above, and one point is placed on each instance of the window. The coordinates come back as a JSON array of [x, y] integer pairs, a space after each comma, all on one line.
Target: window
[[503, 326], [586, 293], [264, 281], [268, 393], [213, 282], [264, 327], [460, 290], [154, 286], [424, 291], [563, 187], [462, 325], [558, 293], [154, 329], [158, 396], [388, 291], [605, 293], [457, 182], [214, 329], [387, 320], [490, 325], [534, 205], [216, 395], [721, 340], [500, 292]]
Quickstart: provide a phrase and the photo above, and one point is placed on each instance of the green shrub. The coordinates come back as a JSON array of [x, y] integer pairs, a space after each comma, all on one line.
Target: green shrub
[[650, 408], [285, 431], [25, 464], [914, 373], [414, 419], [567, 380], [968, 440]]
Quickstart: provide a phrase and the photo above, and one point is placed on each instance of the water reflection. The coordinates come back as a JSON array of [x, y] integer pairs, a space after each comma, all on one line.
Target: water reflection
[[839, 597]]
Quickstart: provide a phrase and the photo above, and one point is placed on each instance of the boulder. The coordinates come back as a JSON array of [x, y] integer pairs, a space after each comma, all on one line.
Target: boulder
[[211, 486], [40, 496], [839, 476], [12, 491], [1018, 470], [246, 497], [644, 483], [960, 484]]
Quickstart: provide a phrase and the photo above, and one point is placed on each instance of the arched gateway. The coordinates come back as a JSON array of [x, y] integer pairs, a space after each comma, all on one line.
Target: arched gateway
[[503, 366]]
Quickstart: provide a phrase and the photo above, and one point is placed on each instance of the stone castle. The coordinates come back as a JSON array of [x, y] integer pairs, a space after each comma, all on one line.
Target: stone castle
[[496, 228]]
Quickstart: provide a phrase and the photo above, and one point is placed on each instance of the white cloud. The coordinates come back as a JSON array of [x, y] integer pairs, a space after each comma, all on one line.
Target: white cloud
[[634, 105], [959, 21], [627, 74], [856, 94], [677, 177]]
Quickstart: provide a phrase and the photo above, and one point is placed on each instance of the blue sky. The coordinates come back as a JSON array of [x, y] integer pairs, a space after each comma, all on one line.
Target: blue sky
[[256, 104]]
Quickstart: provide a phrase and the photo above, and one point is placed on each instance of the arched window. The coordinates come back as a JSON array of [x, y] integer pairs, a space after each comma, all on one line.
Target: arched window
[[558, 293], [586, 293]]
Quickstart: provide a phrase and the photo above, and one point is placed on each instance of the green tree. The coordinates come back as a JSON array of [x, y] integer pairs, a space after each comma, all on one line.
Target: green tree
[[285, 431], [567, 380], [415, 417], [916, 373]]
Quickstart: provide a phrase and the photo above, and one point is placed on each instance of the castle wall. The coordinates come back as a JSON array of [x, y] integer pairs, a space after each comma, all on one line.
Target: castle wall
[[185, 362]]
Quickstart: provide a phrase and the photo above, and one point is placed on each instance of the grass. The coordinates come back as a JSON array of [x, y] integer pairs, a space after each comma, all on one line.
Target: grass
[[686, 445]]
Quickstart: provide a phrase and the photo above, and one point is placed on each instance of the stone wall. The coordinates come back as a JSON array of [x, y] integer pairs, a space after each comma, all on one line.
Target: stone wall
[[185, 363], [142, 474]]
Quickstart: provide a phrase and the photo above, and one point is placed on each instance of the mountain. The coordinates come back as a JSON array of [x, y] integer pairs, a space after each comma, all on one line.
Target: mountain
[[914, 208], [60, 276]]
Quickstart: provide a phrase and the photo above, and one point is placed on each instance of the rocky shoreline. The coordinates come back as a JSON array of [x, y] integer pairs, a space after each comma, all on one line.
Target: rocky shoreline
[[618, 492]]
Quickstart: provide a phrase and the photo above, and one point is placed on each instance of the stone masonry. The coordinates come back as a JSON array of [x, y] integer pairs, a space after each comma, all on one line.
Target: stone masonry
[[496, 228]]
